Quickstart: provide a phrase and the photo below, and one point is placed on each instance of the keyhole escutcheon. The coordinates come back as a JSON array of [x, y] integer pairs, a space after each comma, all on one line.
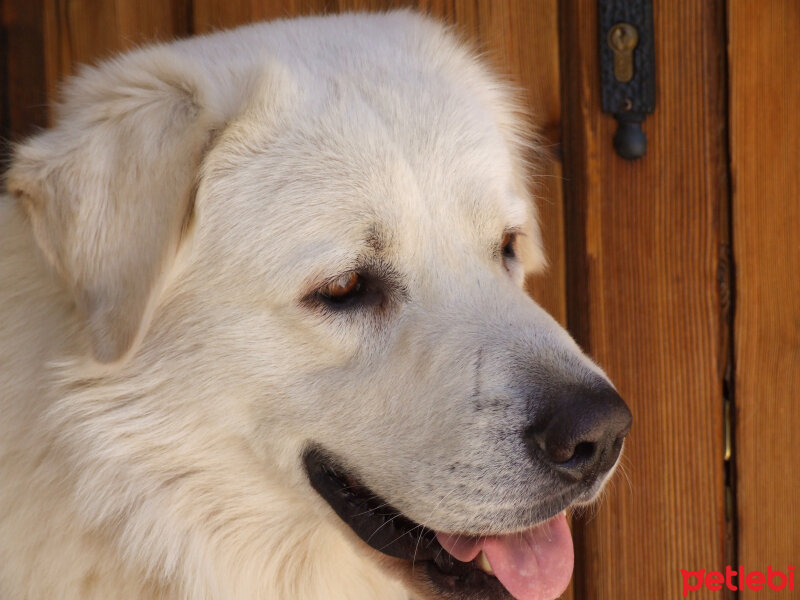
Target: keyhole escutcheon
[[623, 39]]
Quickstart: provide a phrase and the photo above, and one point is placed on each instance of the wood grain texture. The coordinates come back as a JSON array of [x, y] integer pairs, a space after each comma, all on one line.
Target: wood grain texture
[[85, 31], [764, 38], [211, 15], [24, 104], [4, 116], [643, 251]]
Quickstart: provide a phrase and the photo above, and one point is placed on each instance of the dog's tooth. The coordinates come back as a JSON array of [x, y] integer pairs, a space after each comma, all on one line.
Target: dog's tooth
[[483, 563]]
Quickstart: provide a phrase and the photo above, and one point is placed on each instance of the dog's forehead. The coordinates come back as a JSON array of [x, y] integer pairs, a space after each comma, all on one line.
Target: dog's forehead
[[407, 137], [386, 158]]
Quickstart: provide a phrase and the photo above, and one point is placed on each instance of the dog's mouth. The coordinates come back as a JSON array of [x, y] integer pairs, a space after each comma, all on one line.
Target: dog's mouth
[[535, 564]]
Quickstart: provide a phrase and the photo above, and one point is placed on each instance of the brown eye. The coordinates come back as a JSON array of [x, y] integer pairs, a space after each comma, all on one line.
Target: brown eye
[[343, 288], [509, 244], [351, 291]]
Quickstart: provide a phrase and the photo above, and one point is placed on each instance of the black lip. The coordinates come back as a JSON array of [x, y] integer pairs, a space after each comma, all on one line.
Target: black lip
[[387, 530], [378, 524]]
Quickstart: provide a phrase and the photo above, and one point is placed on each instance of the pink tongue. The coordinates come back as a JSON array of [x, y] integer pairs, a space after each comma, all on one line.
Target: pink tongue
[[532, 565]]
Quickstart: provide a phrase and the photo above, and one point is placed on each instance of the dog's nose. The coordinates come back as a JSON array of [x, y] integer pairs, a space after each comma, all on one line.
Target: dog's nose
[[581, 436]]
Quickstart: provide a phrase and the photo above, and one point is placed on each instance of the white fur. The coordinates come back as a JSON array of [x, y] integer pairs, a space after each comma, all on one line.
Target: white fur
[[160, 372]]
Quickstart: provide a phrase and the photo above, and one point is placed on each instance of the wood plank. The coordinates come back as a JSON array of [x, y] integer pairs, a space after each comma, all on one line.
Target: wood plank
[[24, 101], [212, 15], [4, 116], [764, 37], [644, 252]]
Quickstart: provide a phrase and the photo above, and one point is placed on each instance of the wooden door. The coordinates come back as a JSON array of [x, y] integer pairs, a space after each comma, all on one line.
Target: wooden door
[[764, 45], [679, 272], [647, 290]]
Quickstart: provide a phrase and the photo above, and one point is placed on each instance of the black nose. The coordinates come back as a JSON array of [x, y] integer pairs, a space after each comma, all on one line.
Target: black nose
[[581, 434]]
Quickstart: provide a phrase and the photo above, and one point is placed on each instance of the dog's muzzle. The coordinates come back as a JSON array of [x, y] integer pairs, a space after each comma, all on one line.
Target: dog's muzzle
[[576, 434]]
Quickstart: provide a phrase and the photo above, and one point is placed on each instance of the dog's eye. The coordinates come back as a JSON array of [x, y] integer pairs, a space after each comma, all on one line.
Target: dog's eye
[[509, 245], [370, 287], [342, 288], [354, 290], [350, 290]]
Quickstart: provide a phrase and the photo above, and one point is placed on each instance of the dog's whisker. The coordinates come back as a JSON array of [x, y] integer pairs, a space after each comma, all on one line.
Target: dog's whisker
[[433, 511], [371, 510], [381, 526], [623, 470]]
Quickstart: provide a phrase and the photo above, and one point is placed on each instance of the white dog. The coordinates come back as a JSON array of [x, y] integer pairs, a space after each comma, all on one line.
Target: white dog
[[262, 331]]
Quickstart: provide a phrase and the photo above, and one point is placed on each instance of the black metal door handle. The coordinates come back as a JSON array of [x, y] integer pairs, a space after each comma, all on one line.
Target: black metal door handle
[[627, 69]]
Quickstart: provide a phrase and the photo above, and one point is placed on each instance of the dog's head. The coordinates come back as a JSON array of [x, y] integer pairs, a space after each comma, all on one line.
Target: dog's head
[[323, 230]]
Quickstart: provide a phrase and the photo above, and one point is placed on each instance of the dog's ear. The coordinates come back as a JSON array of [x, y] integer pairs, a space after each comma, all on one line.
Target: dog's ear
[[529, 246], [108, 190], [529, 157]]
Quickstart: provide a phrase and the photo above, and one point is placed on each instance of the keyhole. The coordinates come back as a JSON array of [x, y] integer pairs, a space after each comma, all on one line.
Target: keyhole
[[623, 38]]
